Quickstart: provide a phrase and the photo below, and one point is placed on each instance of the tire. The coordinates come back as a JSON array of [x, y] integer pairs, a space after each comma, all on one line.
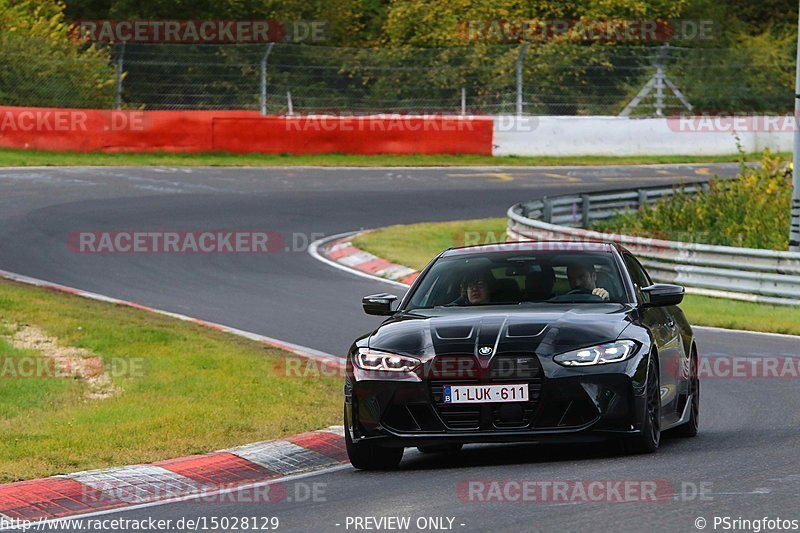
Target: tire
[[366, 455], [441, 448], [691, 427], [648, 440]]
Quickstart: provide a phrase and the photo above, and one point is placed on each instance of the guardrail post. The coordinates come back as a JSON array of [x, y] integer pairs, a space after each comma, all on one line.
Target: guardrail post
[[547, 210], [585, 205], [527, 208], [642, 198], [794, 210]]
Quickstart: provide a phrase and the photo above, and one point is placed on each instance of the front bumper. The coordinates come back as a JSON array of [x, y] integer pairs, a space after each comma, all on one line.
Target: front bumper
[[565, 404]]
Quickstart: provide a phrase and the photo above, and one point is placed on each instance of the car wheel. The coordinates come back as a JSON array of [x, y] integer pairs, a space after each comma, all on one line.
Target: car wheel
[[647, 441], [441, 448], [690, 428], [367, 455]]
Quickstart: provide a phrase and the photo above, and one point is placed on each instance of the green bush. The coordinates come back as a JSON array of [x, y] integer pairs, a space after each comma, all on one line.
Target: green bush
[[41, 64], [751, 211]]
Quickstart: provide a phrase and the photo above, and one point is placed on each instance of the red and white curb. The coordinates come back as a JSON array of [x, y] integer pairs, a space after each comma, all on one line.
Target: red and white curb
[[340, 252], [222, 471], [204, 477]]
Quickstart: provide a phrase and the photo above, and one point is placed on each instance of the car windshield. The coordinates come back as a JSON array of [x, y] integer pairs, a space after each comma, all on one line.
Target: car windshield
[[517, 278]]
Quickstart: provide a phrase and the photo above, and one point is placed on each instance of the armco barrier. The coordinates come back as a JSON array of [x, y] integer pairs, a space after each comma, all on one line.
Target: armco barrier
[[621, 136], [747, 274], [92, 130]]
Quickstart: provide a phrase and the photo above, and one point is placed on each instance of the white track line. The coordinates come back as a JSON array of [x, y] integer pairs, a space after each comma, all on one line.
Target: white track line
[[767, 333], [297, 349]]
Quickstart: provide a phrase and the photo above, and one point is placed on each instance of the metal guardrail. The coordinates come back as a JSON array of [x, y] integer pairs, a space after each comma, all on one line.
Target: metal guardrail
[[748, 274]]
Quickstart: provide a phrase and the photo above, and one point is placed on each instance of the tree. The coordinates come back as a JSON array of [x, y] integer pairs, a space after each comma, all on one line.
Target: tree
[[42, 64]]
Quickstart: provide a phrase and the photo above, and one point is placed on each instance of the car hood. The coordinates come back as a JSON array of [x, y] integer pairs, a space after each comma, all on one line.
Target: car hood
[[545, 329]]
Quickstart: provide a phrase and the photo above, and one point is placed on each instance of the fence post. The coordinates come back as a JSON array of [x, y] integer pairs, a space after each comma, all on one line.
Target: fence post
[[118, 85], [264, 78], [547, 210], [585, 205], [289, 103], [463, 101], [794, 209], [520, 57], [642, 198], [660, 91]]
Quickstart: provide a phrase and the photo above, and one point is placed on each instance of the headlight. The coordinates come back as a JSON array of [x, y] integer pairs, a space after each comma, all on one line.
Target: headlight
[[383, 361], [612, 352]]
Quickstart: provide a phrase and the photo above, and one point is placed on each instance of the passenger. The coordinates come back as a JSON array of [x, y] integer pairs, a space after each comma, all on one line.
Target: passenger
[[583, 279], [476, 289]]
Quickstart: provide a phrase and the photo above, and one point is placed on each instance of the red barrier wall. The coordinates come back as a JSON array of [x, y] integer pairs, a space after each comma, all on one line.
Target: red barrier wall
[[87, 130]]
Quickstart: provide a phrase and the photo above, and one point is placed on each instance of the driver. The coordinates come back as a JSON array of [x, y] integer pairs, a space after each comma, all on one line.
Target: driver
[[583, 278]]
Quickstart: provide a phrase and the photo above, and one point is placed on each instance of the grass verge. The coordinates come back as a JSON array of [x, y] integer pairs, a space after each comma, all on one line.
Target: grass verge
[[415, 245], [181, 389], [10, 157]]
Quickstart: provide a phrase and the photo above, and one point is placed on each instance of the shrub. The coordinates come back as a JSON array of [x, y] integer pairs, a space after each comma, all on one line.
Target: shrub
[[750, 211]]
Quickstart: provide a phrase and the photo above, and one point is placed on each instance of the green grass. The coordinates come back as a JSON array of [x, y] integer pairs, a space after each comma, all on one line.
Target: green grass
[[40, 158], [415, 245], [195, 390], [706, 311]]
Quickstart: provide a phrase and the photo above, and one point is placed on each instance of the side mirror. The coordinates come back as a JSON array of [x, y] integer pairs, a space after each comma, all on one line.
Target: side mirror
[[662, 294], [379, 304]]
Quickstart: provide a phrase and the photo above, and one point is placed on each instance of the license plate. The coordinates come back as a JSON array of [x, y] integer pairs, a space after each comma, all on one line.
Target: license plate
[[485, 393]]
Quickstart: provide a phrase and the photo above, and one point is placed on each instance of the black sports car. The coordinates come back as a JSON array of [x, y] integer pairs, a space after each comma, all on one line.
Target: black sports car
[[527, 341]]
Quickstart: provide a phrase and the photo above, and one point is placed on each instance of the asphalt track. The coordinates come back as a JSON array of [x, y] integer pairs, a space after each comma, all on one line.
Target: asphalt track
[[744, 460]]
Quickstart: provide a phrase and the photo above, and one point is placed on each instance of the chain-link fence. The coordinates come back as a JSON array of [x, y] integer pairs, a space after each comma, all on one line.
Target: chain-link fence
[[561, 79]]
